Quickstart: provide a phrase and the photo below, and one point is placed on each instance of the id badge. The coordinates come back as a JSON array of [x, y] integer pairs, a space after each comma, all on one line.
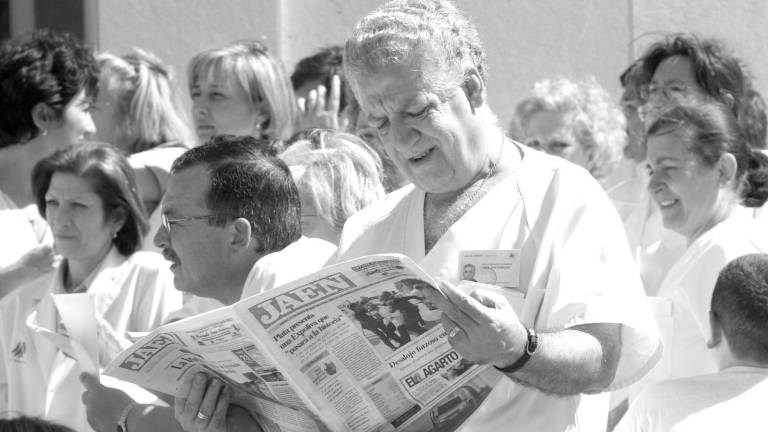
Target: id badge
[[493, 267], [498, 268]]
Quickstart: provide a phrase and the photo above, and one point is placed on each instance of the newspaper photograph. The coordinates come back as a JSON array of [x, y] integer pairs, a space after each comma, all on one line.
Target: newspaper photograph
[[356, 345]]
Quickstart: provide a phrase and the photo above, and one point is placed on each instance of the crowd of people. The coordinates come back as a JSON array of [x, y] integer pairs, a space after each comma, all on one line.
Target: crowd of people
[[640, 295]]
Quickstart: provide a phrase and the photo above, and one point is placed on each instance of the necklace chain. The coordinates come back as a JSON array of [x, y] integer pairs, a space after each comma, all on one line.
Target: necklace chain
[[474, 194]]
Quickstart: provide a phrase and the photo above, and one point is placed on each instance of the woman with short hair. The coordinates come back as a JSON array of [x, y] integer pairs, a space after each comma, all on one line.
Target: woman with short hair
[[47, 85], [337, 175], [88, 196]]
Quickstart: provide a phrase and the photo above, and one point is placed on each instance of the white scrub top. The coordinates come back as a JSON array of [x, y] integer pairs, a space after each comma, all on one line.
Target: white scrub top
[[731, 400], [20, 230], [689, 286], [575, 269], [300, 258], [130, 294]]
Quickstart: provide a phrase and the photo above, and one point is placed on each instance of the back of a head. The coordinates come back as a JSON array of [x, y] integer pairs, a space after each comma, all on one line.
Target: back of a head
[[43, 67], [321, 67], [31, 424], [249, 182], [740, 303], [712, 131], [252, 68], [148, 110], [400, 32], [716, 70], [341, 173]]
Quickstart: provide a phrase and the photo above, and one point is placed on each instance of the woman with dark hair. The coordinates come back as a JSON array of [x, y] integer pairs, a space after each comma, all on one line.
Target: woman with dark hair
[[102, 289], [31, 424], [47, 83], [685, 66], [704, 177]]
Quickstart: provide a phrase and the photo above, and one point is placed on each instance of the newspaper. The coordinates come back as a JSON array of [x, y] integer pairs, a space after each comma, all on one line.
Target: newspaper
[[353, 347]]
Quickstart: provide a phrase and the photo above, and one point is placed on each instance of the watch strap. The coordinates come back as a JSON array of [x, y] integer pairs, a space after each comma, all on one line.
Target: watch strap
[[530, 349]]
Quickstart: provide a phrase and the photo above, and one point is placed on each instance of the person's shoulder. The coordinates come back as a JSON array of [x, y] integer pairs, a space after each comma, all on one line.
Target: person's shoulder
[[379, 211], [148, 263], [551, 173], [161, 156]]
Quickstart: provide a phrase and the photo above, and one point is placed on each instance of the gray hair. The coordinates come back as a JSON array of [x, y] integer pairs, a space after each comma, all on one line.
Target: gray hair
[[401, 30], [597, 123], [342, 173]]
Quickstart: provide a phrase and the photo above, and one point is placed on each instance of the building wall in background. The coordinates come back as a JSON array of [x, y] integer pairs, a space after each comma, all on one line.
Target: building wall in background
[[525, 40]]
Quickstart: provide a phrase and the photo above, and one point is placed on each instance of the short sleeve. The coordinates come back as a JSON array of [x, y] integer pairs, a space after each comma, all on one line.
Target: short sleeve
[[593, 279]]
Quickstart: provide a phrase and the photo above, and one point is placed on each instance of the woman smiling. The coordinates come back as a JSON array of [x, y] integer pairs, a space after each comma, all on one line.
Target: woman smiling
[[702, 176]]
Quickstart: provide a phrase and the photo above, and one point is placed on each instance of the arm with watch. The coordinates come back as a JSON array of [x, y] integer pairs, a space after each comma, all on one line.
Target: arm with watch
[[485, 329]]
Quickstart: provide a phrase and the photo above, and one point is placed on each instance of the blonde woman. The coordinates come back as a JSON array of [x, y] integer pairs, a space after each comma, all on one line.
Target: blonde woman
[[241, 89], [137, 110], [337, 174]]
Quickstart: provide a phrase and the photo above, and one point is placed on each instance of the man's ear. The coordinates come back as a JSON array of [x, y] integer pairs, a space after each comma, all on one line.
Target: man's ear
[[242, 238], [716, 331], [474, 88], [726, 168], [44, 117]]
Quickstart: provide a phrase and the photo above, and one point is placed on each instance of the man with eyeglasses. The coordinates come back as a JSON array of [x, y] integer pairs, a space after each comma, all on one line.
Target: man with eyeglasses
[[228, 204]]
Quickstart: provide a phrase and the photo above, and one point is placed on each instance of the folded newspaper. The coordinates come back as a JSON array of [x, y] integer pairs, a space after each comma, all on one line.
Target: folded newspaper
[[353, 347]]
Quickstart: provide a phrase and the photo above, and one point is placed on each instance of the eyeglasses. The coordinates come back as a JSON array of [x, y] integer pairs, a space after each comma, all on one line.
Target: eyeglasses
[[671, 91], [166, 222]]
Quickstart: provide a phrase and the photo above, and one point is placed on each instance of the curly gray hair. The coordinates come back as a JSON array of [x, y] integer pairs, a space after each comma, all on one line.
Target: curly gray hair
[[401, 31]]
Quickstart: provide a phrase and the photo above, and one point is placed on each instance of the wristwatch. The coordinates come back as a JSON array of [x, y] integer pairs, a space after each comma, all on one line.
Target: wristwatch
[[530, 349], [123, 419]]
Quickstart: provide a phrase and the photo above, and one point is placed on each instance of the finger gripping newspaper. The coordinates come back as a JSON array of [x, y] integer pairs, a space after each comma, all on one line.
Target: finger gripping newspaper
[[353, 347]]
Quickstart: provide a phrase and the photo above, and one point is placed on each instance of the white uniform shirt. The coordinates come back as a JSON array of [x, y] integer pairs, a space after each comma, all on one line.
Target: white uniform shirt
[[300, 258], [732, 400], [689, 286], [575, 269], [130, 294], [20, 230]]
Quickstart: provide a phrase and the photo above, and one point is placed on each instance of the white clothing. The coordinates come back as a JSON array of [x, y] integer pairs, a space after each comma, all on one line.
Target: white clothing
[[654, 247], [300, 258], [689, 285], [158, 161], [732, 400], [575, 268], [133, 293], [20, 230]]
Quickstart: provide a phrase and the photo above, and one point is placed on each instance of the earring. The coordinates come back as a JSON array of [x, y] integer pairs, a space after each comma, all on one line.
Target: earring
[[43, 132]]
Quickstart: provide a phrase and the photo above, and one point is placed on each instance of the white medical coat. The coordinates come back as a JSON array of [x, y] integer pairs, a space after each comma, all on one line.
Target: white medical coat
[[575, 269], [20, 230], [300, 258], [689, 285], [733, 399], [130, 294]]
